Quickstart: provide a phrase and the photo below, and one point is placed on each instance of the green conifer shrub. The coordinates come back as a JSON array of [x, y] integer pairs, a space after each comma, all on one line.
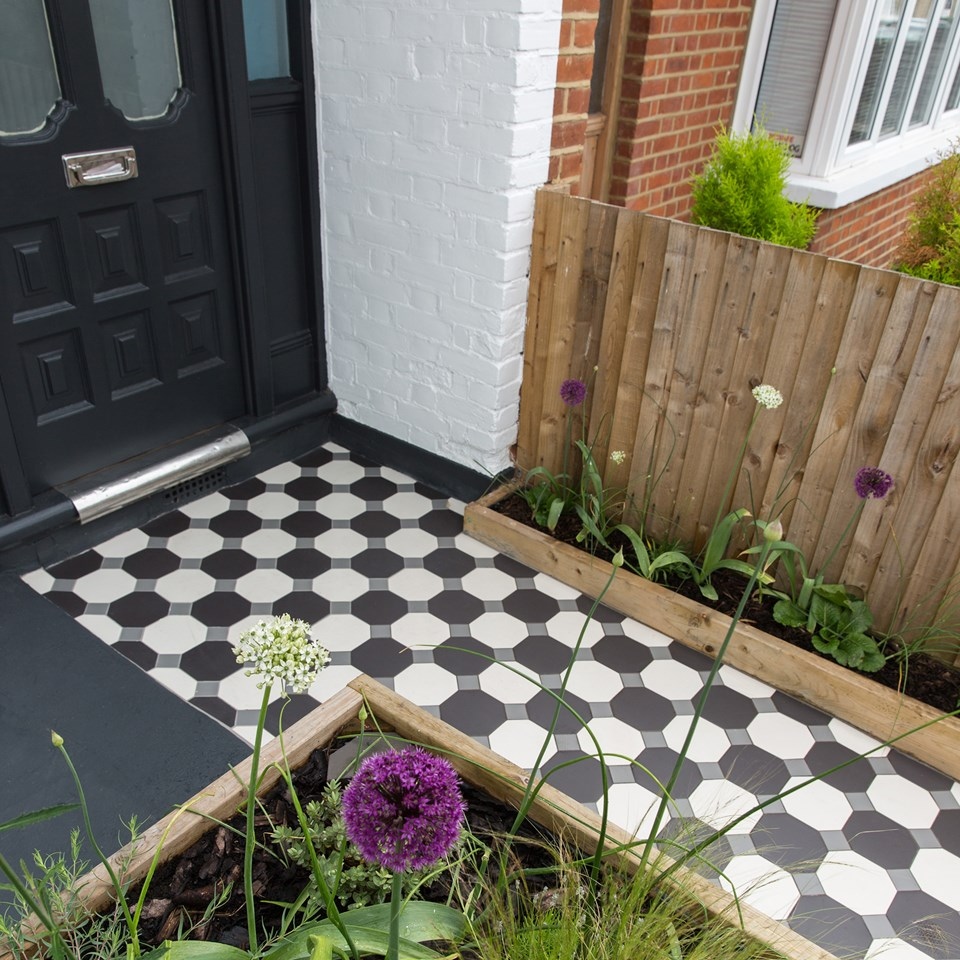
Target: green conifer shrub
[[741, 190]]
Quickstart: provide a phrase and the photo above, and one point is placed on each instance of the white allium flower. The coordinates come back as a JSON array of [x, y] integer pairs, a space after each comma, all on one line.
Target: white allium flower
[[282, 650], [767, 396], [618, 456]]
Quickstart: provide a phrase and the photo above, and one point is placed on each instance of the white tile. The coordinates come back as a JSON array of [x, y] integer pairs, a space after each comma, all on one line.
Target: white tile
[[415, 584], [341, 506], [341, 632], [620, 742], [38, 580], [407, 505], [856, 882], [101, 626], [206, 507], [124, 544], [817, 804], [762, 884], [709, 743], [633, 808], [420, 630], [341, 544], [268, 544], [903, 802], [719, 803], [425, 684], [411, 543], [520, 741], [488, 583], [264, 586], [743, 683], [594, 682], [273, 506], [938, 873], [781, 735], [194, 543], [175, 634], [104, 586], [673, 680], [185, 586], [509, 685], [567, 625], [499, 630]]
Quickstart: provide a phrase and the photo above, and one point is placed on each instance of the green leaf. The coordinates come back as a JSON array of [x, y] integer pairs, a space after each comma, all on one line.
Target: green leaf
[[834, 592], [719, 541], [639, 548], [739, 566], [195, 950], [824, 644], [369, 926], [553, 514], [38, 816], [789, 614]]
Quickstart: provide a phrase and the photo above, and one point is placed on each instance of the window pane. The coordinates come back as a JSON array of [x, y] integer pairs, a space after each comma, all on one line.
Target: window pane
[[917, 28], [137, 50], [791, 70], [880, 56], [953, 100], [933, 72], [265, 28], [29, 86]]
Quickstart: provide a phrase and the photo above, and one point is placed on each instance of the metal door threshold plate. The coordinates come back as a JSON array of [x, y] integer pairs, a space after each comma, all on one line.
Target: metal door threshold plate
[[118, 486]]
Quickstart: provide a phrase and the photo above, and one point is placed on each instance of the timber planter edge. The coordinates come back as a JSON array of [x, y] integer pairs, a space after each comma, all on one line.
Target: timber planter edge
[[845, 694], [476, 764]]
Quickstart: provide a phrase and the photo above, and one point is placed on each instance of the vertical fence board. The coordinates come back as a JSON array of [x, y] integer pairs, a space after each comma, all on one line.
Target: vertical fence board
[[551, 441], [615, 327], [755, 334], [682, 322], [878, 406], [547, 219]]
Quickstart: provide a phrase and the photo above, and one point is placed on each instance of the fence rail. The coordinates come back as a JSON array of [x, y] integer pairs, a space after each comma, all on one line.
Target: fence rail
[[672, 325]]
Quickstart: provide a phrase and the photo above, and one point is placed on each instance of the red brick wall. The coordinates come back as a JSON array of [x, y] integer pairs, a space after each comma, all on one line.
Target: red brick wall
[[572, 95], [680, 79], [681, 70], [869, 230]]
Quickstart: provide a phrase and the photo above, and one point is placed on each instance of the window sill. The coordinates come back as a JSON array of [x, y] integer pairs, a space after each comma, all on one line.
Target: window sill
[[884, 168]]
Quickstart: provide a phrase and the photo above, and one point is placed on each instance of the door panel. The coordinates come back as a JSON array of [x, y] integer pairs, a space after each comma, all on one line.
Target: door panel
[[118, 322]]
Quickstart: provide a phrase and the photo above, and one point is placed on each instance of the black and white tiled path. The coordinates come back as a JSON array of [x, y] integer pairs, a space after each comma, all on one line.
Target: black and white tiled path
[[868, 860]]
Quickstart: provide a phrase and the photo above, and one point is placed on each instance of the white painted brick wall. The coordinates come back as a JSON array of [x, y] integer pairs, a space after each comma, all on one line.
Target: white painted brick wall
[[435, 119]]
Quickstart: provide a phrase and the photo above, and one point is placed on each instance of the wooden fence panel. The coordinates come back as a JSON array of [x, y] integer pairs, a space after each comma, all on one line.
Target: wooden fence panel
[[672, 325]]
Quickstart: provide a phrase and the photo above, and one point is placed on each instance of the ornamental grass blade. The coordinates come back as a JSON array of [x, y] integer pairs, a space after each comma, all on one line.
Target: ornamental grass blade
[[38, 816]]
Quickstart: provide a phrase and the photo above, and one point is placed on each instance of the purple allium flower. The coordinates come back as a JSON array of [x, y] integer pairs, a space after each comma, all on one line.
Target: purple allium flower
[[872, 482], [573, 392], [403, 809]]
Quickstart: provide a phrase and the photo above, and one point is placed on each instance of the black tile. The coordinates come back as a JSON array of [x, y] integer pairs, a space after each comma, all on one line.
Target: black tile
[[373, 489], [235, 524], [68, 602], [308, 489], [376, 524], [543, 654], [303, 605], [799, 711], [788, 842], [293, 707], [212, 660], [304, 564], [581, 780], [542, 706], [77, 566], [474, 712], [754, 769], [642, 708], [880, 839], [315, 458], [379, 607], [151, 563], [531, 606], [246, 490], [454, 655], [456, 606], [729, 709], [622, 654], [830, 925], [381, 657], [511, 567], [169, 525], [220, 609], [919, 773], [927, 923], [306, 524], [449, 563], [137, 652], [946, 828], [660, 762], [216, 708], [603, 613], [855, 778], [228, 564], [377, 563], [682, 834], [442, 523], [139, 609]]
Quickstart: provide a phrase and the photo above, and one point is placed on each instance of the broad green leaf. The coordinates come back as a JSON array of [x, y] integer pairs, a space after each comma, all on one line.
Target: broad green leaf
[[639, 548], [738, 566], [368, 927], [37, 816], [825, 644], [835, 592], [195, 950], [553, 514], [789, 614], [719, 541]]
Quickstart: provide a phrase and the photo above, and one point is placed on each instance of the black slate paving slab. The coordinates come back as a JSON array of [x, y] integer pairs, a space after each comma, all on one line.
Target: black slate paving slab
[[138, 747]]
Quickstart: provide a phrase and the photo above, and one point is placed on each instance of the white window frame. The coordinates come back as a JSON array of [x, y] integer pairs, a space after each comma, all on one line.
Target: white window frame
[[830, 173]]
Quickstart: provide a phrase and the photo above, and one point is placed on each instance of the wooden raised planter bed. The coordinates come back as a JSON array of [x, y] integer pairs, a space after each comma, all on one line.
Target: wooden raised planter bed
[[838, 691], [476, 764]]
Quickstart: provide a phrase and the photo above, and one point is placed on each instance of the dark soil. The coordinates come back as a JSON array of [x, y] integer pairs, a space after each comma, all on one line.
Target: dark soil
[[925, 678], [182, 889]]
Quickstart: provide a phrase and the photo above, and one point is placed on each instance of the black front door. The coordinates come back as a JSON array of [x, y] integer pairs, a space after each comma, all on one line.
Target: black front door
[[119, 329]]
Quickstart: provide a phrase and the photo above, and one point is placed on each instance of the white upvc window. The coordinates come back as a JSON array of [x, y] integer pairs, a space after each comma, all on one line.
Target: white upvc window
[[866, 92]]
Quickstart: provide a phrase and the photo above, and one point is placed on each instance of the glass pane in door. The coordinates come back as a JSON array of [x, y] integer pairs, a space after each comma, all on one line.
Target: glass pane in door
[[29, 86], [265, 29], [137, 50]]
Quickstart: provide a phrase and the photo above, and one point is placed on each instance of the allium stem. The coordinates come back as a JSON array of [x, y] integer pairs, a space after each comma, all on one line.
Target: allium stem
[[396, 906], [250, 840]]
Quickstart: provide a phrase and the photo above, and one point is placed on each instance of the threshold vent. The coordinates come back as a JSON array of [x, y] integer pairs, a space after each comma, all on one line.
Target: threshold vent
[[195, 488], [184, 470]]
